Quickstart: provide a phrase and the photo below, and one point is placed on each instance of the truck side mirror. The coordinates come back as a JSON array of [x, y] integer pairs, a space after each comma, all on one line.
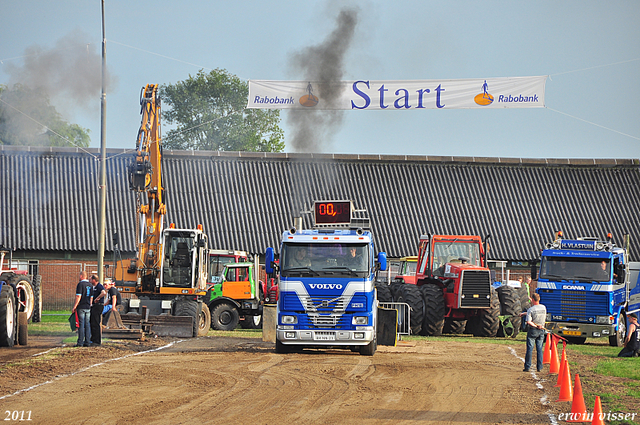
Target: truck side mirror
[[268, 261], [534, 271], [620, 271], [382, 260]]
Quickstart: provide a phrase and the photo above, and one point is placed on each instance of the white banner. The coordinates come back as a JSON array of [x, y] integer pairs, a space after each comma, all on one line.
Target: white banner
[[517, 92]]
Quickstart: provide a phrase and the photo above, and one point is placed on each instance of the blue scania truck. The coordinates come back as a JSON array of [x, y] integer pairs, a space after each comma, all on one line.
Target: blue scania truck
[[326, 285], [588, 287]]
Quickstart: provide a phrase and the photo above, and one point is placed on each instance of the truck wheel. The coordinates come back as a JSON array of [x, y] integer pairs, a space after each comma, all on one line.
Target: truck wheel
[[433, 322], [23, 328], [204, 319], [26, 297], [509, 306], [525, 300], [281, 348], [188, 308], [369, 349], [251, 322], [453, 326], [384, 293], [8, 322], [617, 340], [37, 299], [411, 295], [224, 317], [488, 322]]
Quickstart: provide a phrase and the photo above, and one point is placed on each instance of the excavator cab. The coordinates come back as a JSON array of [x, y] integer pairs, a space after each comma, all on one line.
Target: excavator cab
[[183, 254]]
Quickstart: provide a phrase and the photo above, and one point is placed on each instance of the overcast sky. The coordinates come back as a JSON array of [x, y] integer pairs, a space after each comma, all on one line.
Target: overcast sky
[[590, 49]]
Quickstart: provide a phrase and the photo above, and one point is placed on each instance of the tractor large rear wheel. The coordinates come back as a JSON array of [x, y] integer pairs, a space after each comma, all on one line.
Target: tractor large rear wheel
[[384, 293], [509, 306], [452, 326], [26, 297], [433, 321], [411, 295], [8, 322], [37, 299]]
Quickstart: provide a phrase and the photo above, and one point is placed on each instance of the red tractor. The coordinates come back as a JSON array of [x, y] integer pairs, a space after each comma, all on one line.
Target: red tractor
[[453, 290], [18, 303]]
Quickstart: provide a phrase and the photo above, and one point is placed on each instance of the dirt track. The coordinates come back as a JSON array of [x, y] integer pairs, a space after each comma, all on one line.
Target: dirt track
[[240, 380]]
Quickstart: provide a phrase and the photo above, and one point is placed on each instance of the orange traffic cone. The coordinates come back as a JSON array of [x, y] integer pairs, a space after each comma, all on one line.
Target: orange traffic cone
[[554, 366], [566, 390], [546, 358], [564, 359], [598, 417], [578, 408]]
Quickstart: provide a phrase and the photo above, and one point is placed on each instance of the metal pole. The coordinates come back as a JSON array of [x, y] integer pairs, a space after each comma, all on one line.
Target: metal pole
[[103, 157]]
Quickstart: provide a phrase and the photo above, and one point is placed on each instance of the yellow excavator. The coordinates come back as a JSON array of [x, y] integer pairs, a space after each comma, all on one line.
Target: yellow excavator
[[169, 274]]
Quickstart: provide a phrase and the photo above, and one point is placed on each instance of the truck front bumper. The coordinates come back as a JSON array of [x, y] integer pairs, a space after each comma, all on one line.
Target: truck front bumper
[[361, 336], [581, 330]]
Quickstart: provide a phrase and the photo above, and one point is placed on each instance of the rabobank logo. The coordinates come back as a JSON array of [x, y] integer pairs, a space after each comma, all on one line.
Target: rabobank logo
[[484, 98], [309, 100]]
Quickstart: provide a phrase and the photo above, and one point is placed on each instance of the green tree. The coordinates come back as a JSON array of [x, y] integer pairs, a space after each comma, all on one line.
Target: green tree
[[27, 119], [210, 112]]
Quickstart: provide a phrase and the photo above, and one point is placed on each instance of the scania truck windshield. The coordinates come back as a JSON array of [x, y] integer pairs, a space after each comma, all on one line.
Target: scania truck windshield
[[575, 269]]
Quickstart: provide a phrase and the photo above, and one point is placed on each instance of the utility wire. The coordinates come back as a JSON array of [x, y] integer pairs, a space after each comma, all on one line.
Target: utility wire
[[593, 123], [594, 67]]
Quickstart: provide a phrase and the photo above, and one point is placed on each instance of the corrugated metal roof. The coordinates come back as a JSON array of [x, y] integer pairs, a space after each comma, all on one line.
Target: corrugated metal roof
[[49, 197]]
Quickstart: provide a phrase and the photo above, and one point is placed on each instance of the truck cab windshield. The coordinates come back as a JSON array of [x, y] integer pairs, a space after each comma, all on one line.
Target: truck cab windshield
[[330, 259], [578, 269], [454, 252]]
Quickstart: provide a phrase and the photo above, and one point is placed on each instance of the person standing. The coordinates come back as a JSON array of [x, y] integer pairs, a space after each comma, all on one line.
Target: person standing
[[97, 305], [114, 298], [631, 343], [535, 316], [82, 306]]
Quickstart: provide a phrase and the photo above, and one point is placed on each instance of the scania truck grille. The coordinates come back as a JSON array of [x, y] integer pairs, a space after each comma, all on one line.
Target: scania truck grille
[[576, 305], [476, 288]]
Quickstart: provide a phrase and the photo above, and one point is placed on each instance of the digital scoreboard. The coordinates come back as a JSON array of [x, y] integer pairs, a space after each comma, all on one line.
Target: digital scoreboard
[[332, 212]]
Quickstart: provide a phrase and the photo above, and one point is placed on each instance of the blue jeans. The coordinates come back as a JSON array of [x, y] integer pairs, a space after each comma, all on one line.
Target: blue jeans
[[84, 327], [534, 337]]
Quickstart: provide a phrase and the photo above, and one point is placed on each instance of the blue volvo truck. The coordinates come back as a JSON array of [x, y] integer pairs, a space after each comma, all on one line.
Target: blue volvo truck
[[588, 287], [326, 285]]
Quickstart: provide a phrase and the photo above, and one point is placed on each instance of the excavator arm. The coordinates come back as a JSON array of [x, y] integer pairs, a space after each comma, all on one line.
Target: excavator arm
[[145, 178]]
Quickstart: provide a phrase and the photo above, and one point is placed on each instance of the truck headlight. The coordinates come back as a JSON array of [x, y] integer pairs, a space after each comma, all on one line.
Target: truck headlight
[[290, 320], [604, 320], [360, 320]]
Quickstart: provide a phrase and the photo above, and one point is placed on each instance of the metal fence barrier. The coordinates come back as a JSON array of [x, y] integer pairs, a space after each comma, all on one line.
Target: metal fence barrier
[[404, 316]]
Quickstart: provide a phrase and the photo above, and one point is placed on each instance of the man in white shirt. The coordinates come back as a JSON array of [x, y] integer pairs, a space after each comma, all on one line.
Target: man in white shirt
[[536, 317]]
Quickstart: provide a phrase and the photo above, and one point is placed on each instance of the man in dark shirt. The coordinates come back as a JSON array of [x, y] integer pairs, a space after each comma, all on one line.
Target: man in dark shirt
[[82, 306], [97, 304]]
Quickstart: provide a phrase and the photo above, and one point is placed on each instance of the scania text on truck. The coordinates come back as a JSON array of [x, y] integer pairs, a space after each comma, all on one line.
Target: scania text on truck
[[588, 287], [326, 287]]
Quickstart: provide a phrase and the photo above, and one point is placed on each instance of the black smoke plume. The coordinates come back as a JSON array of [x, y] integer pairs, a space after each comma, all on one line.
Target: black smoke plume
[[323, 65], [70, 73]]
